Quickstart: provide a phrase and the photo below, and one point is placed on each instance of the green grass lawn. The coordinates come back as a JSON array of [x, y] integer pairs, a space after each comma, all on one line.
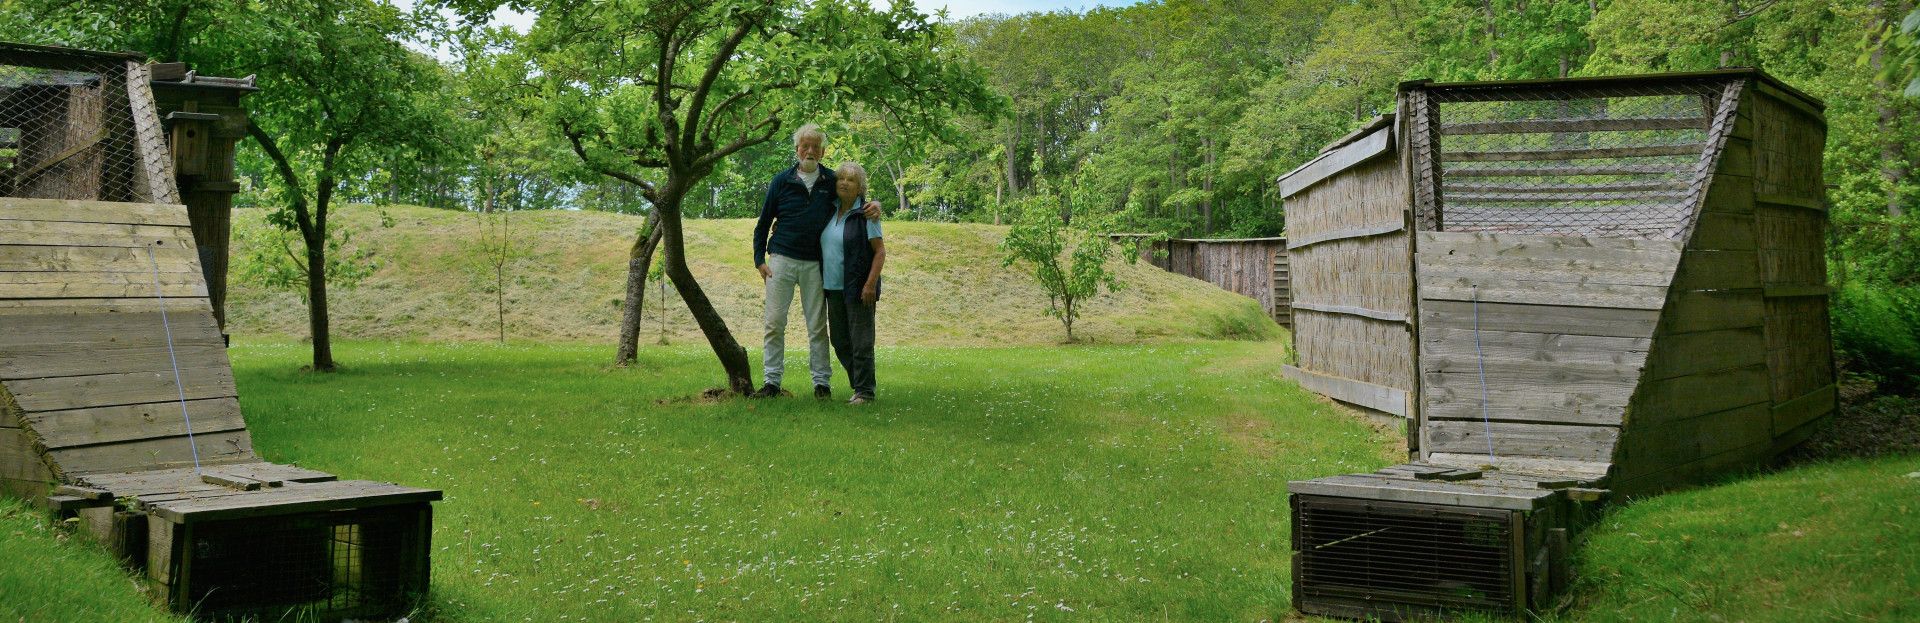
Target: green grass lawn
[[1071, 483], [1122, 483]]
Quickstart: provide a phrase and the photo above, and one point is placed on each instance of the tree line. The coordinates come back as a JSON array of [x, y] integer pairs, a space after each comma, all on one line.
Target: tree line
[[1170, 117]]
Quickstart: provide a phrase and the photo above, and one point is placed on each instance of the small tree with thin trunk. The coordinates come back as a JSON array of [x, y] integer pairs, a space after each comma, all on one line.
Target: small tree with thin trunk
[[1069, 263]]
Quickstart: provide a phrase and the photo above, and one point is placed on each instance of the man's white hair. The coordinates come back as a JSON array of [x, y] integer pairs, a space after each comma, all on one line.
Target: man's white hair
[[811, 129], [852, 171]]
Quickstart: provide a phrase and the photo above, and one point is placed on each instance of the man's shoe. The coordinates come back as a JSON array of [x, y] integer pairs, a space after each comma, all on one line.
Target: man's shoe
[[766, 391], [860, 400], [822, 392]]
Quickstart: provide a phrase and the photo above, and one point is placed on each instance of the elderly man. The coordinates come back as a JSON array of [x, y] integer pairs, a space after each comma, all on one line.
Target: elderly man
[[786, 250]]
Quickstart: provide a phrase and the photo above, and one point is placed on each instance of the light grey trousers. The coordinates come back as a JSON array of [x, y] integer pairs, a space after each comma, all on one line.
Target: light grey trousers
[[789, 274]]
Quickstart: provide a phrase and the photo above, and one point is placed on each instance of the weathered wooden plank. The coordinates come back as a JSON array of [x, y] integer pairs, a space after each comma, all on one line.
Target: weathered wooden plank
[[66, 234], [1557, 196], [100, 390], [26, 332], [1552, 189], [107, 212], [14, 308], [294, 498], [166, 259], [46, 284], [1596, 248], [1682, 354], [1425, 492], [1792, 291], [1529, 405], [1584, 443], [1656, 270], [1563, 376], [1723, 231], [1666, 446], [1537, 126], [1306, 240], [1546, 293], [1544, 347], [61, 429], [83, 359], [153, 453], [1590, 471], [1377, 397], [1800, 103], [1335, 161], [154, 166], [1682, 397], [1690, 149], [270, 472], [1351, 311], [1718, 270], [1566, 170], [1706, 310], [1569, 320], [1789, 415]]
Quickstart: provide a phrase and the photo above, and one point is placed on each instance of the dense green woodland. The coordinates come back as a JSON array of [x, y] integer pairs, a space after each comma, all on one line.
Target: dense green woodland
[[1170, 117]]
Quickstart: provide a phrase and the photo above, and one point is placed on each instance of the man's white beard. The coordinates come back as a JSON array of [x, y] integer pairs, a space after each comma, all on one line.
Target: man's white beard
[[809, 165]]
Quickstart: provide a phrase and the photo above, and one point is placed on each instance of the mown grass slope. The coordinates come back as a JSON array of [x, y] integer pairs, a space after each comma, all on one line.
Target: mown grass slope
[[945, 286], [48, 575]]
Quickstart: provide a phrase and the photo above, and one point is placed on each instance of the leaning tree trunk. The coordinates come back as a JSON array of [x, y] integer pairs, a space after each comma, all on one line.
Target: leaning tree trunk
[[639, 261], [733, 358]]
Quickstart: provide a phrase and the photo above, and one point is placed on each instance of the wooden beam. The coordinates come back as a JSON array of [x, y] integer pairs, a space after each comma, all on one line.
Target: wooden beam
[[1333, 162], [1351, 311], [1689, 149], [292, 499], [1791, 414], [1371, 487], [1790, 201], [1344, 233], [1381, 398], [1566, 170], [1532, 126], [153, 161], [1794, 291], [104, 212]]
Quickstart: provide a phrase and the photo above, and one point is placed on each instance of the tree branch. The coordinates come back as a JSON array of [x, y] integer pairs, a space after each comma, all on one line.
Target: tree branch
[[719, 62]]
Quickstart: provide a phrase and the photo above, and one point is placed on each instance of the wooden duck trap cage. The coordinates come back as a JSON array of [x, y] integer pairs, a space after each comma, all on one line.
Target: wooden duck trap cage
[[1570, 289], [117, 401]]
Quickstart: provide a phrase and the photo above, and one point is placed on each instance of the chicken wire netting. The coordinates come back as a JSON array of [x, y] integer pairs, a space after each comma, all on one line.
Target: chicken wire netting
[[66, 129], [1621, 161]]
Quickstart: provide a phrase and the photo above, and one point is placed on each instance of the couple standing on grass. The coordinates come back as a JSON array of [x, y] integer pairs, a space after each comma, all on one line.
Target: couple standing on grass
[[817, 234]]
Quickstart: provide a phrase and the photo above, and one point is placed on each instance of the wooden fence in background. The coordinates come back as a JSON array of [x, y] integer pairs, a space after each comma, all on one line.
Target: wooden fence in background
[[1256, 267]]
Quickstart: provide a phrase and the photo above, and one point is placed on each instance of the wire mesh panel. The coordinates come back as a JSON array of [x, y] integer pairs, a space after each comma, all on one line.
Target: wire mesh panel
[[1401, 558], [341, 563], [67, 126], [1627, 161]]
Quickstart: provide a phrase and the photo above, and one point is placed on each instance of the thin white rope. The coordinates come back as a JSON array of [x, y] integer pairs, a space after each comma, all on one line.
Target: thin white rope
[[1481, 356], [175, 359]]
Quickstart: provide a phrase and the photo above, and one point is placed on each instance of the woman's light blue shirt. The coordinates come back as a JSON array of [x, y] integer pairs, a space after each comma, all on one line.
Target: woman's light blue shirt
[[833, 258]]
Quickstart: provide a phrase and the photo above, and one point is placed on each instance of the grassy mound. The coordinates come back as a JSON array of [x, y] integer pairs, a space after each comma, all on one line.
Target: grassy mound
[[47, 575], [945, 286]]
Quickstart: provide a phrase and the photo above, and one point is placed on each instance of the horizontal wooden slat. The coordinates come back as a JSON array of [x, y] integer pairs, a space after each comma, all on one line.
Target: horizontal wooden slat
[[1673, 444], [1551, 189], [1683, 397], [1789, 415], [72, 211], [294, 498], [46, 285], [1468, 493], [1602, 321], [1351, 311], [79, 427], [1549, 247], [45, 233], [1550, 293], [101, 390], [1682, 354], [138, 328], [1791, 291], [1542, 376], [1306, 240], [1565, 170], [11, 308], [1333, 162], [1593, 471], [1464, 401], [70, 359], [165, 259], [1584, 443], [1377, 397], [1556, 195], [153, 453], [1692, 149], [1544, 347], [1532, 126]]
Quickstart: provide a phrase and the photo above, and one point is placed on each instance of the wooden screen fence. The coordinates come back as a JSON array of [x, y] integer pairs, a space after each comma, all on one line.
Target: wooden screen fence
[[1255, 267]]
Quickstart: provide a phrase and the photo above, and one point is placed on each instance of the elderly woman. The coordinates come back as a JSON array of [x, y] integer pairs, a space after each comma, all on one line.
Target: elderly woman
[[851, 255]]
